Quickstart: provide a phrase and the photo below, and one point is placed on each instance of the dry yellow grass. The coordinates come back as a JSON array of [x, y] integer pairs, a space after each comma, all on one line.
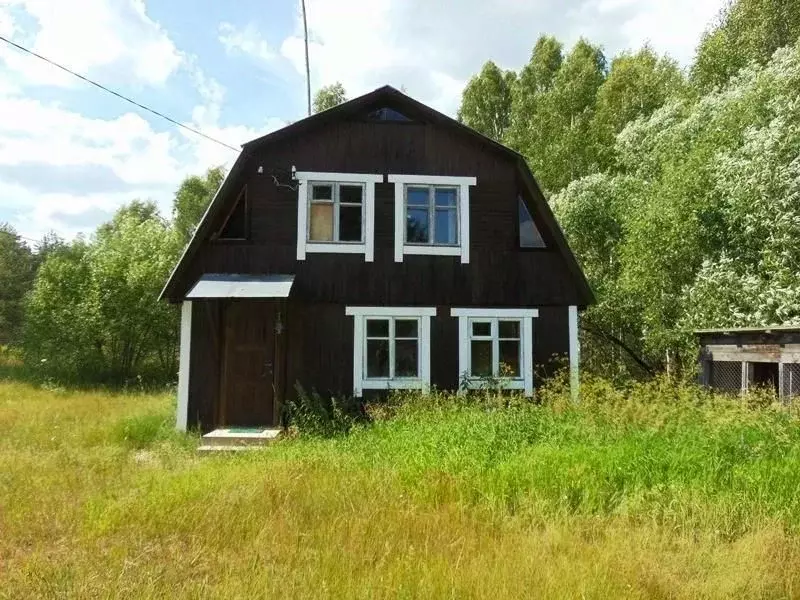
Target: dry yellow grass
[[97, 501]]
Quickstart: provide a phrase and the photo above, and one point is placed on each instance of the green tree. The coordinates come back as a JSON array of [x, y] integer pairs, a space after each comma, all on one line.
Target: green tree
[[747, 31], [17, 269], [191, 200], [556, 123], [486, 101], [535, 80], [637, 84], [329, 96], [93, 313]]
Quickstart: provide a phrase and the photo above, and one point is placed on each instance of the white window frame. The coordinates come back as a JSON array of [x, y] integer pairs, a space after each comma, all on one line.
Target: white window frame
[[525, 316], [401, 183], [361, 314], [368, 181]]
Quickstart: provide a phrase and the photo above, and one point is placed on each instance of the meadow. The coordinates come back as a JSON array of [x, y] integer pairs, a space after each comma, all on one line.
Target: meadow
[[655, 491]]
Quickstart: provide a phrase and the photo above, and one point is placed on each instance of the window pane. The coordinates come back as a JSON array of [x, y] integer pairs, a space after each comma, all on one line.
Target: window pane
[[405, 358], [509, 358], [350, 194], [378, 328], [446, 226], [349, 223], [529, 236], [417, 225], [481, 328], [509, 329], [446, 197], [322, 192], [405, 328], [481, 358], [377, 358], [321, 227], [416, 196]]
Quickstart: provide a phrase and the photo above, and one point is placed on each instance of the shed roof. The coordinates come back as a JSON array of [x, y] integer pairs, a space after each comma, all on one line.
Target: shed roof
[[735, 330]]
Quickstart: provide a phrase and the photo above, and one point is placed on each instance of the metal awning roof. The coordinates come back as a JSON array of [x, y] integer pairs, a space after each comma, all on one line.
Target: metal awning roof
[[223, 285]]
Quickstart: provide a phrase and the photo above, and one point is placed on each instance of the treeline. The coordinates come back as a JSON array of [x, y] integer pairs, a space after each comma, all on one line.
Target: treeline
[[679, 190], [86, 311]]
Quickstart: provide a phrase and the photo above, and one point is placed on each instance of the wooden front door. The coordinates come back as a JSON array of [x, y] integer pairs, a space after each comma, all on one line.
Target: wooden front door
[[248, 369]]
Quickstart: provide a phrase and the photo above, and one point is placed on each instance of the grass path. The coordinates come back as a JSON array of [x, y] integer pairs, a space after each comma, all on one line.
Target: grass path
[[634, 496]]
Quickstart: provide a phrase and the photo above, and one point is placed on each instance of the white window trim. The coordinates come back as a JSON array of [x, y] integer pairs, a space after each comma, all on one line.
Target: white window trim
[[361, 314], [525, 315], [184, 366], [400, 247], [368, 180], [574, 354]]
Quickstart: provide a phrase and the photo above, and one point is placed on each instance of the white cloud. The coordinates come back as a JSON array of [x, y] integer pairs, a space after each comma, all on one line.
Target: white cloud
[[87, 36], [245, 41], [434, 47]]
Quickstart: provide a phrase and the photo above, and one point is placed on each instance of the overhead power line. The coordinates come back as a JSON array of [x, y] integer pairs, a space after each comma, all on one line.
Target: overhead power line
[[118, 95]]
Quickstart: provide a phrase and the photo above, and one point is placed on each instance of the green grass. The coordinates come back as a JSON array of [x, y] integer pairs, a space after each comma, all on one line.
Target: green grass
[[651, 492]]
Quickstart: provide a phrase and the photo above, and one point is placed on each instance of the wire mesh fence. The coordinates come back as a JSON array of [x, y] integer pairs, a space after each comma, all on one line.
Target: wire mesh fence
[[790, 386], [726, 376]]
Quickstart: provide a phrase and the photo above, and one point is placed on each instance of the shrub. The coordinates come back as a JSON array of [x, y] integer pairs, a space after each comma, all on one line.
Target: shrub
[[323, 416]]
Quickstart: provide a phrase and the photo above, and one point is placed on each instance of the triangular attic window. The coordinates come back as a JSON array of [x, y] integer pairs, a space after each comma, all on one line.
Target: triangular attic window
[[386, 114], [235, 226], [529, 236]]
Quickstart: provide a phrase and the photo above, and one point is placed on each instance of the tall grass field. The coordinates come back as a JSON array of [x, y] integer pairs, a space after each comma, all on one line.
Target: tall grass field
[[657, 491]]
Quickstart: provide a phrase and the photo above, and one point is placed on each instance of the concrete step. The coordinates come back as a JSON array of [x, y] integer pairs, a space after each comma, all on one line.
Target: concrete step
[[239, 438]]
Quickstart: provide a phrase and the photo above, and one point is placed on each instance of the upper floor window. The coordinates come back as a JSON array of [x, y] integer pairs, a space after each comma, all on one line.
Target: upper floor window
[[529, 236], [236, 225], [432, 215], [336, 213]]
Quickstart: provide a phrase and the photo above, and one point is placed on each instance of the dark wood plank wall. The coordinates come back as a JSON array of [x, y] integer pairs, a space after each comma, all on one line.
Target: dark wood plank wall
[[319, 335], [499, 274], [205, 361], [320, 346]]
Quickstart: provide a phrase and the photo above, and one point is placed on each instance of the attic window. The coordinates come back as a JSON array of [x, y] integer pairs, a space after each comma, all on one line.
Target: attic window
[[529, 236], [386, 114], [236, 225]]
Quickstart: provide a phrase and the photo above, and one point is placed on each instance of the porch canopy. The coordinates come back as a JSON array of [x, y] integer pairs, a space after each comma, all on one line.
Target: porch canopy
[[226, 285]]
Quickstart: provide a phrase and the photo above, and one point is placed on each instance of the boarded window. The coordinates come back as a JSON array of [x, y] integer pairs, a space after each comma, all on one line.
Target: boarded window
[[236, 226], [529, 236], [336, 212]]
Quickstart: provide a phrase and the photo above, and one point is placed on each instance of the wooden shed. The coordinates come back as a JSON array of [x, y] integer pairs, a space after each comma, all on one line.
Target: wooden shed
[[737, 359]]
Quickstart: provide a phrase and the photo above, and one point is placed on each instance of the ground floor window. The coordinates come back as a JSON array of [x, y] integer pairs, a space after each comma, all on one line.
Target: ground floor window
[[391, 347], [496, 347]]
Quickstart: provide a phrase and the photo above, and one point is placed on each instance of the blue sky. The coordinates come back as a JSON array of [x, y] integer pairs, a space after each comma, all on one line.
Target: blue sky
[[71, 154]]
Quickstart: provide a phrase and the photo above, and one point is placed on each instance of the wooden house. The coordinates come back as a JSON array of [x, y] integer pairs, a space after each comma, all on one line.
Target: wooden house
[[377, 245]]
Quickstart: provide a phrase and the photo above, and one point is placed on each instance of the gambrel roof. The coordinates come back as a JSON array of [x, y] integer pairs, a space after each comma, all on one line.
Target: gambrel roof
[[391, 104]]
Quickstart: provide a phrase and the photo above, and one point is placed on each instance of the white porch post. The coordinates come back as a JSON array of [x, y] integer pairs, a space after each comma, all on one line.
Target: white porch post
[[574, 354], [183, 373]]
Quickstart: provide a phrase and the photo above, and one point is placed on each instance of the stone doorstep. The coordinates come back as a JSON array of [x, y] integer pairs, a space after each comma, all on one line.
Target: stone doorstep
[[249, 434], [238, 439]]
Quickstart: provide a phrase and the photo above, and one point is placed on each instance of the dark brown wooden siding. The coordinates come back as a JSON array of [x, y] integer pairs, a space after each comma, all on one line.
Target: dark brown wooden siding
[[499, 273], [204, 364]]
